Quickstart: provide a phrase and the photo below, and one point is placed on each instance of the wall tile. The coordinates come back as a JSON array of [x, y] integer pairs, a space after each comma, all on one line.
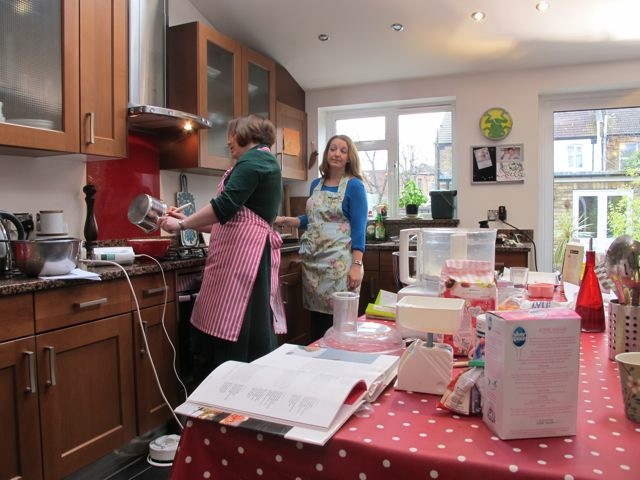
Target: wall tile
[[118, 181]]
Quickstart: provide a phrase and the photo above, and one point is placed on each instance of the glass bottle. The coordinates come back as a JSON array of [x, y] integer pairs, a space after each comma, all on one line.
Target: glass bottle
[[380, 230], [371, 227], [589, 303]]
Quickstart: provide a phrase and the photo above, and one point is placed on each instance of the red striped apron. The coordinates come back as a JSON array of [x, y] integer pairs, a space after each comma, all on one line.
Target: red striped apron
[[230, 272]]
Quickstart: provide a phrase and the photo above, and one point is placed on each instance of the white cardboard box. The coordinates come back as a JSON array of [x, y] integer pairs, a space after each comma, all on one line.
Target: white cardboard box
[[531, 371]]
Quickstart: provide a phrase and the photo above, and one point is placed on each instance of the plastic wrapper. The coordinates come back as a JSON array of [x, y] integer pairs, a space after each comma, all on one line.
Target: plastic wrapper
[[462, 395], [473, 281]]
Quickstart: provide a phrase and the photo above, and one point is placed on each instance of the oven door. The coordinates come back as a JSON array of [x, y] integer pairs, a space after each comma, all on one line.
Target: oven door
[[187, 286]]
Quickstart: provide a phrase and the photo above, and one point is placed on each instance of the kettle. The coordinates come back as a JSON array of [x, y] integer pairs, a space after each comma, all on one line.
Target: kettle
[[5, 250]]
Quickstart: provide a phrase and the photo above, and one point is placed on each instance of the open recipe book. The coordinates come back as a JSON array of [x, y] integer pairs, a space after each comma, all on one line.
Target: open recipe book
[[302, 393]]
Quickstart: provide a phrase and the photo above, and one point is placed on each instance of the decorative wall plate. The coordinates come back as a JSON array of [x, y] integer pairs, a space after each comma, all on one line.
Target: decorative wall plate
[[496, 123]]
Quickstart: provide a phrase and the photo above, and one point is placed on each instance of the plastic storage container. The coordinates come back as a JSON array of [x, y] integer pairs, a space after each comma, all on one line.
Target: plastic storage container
[[436, 245], [443, 203]]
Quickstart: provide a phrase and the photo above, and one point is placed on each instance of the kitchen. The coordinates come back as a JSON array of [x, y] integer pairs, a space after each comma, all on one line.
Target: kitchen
[[33, 183]]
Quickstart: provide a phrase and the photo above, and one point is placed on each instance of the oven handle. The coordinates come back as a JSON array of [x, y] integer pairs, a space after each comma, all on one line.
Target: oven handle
[[187, 297]]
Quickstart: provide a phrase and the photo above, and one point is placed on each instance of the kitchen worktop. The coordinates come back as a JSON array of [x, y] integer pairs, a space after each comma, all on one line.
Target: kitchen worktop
[[24, 284]]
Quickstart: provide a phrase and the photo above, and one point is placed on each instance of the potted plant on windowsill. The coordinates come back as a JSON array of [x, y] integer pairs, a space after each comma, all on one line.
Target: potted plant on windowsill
[[411, 198]]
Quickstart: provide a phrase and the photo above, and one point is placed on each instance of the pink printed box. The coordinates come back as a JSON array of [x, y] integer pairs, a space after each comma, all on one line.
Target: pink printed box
[[531, 371]]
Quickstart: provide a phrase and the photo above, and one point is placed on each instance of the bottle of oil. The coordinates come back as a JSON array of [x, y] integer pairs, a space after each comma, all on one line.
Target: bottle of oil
[[371, 227], [380, 230]]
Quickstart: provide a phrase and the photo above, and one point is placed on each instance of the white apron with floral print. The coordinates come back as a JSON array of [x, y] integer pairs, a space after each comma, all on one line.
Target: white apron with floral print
[[325, 248]]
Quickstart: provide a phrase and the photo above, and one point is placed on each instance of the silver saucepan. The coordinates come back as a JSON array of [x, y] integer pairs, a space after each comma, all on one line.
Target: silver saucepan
[[144, 211]]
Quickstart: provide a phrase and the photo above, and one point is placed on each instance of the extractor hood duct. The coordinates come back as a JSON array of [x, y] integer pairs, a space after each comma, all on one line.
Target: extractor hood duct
[[147, 65]]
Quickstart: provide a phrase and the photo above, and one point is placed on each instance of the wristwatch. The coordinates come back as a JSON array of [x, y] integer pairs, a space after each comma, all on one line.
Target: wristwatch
[[181, 224], [357, 262]]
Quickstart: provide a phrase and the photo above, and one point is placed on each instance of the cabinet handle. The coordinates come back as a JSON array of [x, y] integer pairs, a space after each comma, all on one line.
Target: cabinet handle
[[52, 367], [145, 328], [153, 291], [92, 133], [372, 288], [32, 372], [285, 299], [90, 303]]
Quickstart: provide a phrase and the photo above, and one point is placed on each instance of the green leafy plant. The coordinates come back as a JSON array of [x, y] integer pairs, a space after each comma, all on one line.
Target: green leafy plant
[[412, 194], [624, 214]]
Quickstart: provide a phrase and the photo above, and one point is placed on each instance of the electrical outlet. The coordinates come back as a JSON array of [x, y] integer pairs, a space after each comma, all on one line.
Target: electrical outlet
[[492, 215]]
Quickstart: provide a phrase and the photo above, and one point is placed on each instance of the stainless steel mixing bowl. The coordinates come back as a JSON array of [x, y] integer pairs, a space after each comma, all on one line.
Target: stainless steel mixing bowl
[[46, 257]]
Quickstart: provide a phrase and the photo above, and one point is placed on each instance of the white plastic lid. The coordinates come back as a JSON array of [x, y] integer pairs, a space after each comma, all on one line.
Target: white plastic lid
[[371, 337]]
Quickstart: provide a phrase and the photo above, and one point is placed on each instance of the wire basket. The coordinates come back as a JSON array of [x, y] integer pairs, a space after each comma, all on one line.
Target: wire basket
[[624, 326]]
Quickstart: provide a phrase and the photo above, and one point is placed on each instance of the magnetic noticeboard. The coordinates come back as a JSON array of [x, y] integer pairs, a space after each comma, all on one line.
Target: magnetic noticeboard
[[497, 164]]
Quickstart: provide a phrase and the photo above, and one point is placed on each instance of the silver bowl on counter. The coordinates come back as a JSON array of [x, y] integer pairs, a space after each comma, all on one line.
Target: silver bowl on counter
[[37, 258]]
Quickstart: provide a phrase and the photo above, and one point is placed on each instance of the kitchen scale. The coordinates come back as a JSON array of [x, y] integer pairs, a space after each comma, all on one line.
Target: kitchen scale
[[427, 366]]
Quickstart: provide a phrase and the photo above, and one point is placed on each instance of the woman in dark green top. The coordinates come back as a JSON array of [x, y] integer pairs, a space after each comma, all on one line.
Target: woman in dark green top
[[239, 310]]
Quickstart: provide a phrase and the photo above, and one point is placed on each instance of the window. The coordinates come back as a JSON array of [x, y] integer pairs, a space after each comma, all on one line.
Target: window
[[574, 157], [397, 144], [593, 207], [627, 150], [590, 146]]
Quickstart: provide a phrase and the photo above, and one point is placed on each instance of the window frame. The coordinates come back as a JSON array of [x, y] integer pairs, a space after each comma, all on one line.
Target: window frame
[[548, 104], [391, 144]]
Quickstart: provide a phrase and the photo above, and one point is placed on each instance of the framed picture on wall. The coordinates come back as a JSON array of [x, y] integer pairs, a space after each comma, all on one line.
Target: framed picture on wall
[[498, 164]]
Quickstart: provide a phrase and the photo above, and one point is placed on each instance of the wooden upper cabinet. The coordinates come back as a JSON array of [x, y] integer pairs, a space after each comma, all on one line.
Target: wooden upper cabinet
[[291, 126], [291, 141], [216, 77], [103, 77], [258, 84], [67, 87]]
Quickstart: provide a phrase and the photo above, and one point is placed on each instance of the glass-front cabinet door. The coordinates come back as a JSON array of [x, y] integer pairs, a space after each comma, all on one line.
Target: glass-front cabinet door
[[38, 74], [258, 84], [222, 95], [216, 77], [59, 58]]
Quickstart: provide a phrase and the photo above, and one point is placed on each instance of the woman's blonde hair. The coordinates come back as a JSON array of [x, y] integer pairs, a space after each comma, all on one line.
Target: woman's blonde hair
[[252, 129], [353, 161]]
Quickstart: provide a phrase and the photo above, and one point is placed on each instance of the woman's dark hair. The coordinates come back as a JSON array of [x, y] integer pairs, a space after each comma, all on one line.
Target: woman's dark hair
[[252, 129]]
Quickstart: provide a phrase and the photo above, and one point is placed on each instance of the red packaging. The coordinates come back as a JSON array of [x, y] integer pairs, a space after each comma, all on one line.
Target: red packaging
[[473, 281]]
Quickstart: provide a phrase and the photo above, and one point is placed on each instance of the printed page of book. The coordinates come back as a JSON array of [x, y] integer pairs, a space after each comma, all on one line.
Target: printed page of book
[[276, 393], [377, 370]]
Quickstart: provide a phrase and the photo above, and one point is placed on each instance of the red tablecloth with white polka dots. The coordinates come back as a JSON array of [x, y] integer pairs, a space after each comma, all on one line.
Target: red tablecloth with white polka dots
[[405, 436]]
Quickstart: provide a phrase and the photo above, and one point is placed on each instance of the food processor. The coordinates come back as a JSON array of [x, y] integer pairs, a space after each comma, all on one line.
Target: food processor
[[434, 246]]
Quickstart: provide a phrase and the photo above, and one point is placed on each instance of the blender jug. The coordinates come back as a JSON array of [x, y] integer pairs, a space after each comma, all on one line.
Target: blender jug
[[434, 247]]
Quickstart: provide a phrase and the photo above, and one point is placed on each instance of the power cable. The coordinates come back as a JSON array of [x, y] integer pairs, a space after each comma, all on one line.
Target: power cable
[[535, 254]]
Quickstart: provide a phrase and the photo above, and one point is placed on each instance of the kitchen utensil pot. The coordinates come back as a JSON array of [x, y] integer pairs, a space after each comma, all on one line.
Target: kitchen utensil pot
[[145, 210], [623, 266], [46, 257], [5, 239]]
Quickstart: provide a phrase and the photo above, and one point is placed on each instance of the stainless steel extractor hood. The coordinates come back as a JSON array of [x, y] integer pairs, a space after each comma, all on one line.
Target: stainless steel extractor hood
[[147, 65]]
